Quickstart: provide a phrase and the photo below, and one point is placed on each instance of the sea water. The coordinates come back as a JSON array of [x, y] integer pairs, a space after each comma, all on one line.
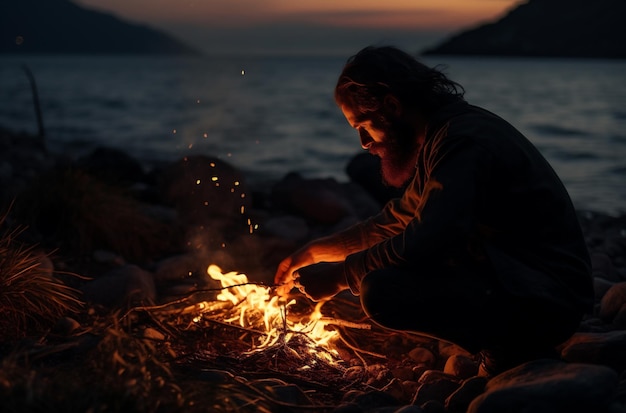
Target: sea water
[[272, 115]]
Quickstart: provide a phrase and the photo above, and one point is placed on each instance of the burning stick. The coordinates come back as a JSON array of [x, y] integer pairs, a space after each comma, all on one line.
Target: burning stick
[[206, 307], [344, 323]]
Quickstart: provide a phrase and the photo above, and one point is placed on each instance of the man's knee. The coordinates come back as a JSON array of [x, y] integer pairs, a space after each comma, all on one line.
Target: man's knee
[[394, 298], [374, 299]]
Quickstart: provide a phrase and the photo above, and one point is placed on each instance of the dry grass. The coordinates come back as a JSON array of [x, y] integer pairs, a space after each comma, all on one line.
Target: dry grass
[[112, 367], [31, 297], [111, 370]]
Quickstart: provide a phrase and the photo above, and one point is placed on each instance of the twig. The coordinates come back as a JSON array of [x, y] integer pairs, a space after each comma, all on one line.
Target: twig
[[207, 290], [344, 323], [342, 335], [235, 326], [201, 307]]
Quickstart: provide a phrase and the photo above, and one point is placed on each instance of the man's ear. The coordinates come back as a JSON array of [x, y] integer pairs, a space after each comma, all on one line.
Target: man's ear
[[392, 105]]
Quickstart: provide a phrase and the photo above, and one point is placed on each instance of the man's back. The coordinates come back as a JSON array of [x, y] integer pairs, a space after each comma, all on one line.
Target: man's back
[[522, 211]]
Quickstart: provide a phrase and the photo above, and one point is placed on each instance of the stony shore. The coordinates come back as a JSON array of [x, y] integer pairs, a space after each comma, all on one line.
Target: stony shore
[[148, 236]]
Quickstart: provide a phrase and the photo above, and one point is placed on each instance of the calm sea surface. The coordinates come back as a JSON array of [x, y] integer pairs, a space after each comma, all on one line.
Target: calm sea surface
[[269, 116]]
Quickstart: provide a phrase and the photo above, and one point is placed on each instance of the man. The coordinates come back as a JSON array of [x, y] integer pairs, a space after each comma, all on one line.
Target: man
[[483, 249]]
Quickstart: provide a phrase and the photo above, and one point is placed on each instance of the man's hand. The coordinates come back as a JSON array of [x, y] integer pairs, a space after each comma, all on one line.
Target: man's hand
[[284, 277], [321, 250], [321, 281]]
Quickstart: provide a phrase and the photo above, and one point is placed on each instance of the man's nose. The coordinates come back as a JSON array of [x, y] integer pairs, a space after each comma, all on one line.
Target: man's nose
[[366, 139]]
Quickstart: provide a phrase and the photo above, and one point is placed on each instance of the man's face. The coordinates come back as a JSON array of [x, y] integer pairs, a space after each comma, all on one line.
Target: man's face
[[393, 141]]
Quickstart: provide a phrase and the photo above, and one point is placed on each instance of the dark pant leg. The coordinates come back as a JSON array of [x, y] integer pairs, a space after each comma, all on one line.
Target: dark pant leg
[[451, 306], [464, 306]]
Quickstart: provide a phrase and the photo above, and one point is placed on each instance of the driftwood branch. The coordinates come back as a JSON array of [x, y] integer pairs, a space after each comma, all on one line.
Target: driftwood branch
[[33, 86]]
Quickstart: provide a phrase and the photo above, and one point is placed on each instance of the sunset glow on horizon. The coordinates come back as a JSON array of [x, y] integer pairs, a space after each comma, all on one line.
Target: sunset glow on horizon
[[363, 13], [258, 26]]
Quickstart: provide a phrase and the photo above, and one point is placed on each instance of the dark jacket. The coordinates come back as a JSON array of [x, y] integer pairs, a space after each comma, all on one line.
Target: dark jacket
[[481, 191]]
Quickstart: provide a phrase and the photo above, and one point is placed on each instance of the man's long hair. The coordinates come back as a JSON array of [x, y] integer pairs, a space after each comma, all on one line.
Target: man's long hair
[[374, 72]]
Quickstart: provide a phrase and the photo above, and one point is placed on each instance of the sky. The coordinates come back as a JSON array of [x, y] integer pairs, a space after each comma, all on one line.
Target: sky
[[306, 26]]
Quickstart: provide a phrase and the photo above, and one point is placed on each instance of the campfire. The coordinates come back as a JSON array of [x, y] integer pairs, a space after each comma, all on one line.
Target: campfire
[[245, 323], [252, 306]]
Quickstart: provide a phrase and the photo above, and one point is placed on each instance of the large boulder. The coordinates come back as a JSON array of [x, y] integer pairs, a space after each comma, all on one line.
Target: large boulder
[[549, 386]]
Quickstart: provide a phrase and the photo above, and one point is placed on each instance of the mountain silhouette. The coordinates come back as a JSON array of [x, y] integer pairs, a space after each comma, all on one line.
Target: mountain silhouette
[[547, 28], [62, 27]]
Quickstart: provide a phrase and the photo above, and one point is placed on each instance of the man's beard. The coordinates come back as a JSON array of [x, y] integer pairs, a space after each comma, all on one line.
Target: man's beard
[[397, 154]]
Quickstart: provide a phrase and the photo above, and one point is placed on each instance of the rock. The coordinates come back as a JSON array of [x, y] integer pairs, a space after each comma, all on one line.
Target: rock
[[379, 375], [419, 370], [613, 301], [121, 286], [108, 257], [403, 373], [461, 398], [592, 324], [433, 406], [286, 227], [602, 266], [615, 247], [180, 267], [619, 321], [112, 165], [396, 390], [600, 287], [548, 386], [354, 373], [605, 349], [437, 387], [422, 355], [363, 203], [460, 366], [318, 200], [373, 400], [409, 409], [410, 388], [447, 349]]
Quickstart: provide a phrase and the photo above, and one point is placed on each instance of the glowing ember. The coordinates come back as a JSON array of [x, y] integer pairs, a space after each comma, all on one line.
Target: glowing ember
[[257, 309]]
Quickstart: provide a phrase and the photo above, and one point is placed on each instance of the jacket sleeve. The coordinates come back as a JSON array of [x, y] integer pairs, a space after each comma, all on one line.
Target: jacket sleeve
[[436, 211]]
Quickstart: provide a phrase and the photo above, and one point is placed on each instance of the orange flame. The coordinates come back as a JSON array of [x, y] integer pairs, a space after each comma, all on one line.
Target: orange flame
[[258, 309]]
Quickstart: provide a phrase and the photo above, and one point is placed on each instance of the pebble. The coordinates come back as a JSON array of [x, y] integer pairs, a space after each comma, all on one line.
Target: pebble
[[423, 356], [152, 334]]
